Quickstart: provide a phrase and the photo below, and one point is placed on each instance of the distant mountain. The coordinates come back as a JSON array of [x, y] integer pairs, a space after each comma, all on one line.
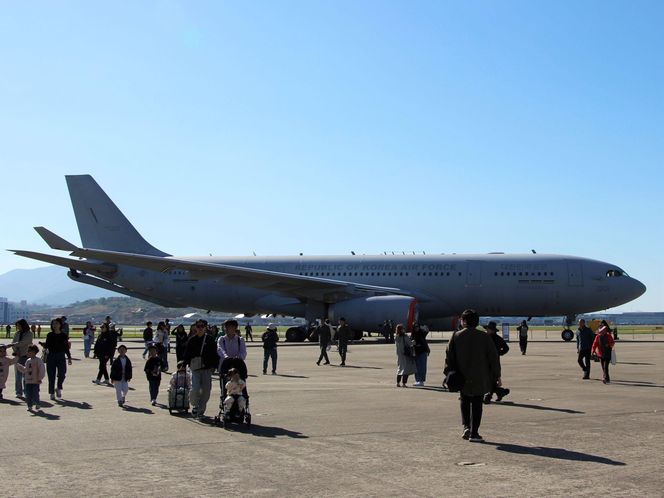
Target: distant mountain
[[47, 285]]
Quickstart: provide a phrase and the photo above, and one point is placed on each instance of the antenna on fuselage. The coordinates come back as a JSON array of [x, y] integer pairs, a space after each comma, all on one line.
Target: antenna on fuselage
[[353, 253], [533, 251]]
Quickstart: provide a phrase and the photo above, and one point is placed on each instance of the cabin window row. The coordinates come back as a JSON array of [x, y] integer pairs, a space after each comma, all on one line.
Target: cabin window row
[[521, 274]]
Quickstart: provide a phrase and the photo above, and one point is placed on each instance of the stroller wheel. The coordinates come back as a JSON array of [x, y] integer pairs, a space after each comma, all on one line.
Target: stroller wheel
[[247, 419]]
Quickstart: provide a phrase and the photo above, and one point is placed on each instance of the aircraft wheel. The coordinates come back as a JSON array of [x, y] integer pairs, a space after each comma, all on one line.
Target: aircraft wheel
[[357, 335], [567, 335]]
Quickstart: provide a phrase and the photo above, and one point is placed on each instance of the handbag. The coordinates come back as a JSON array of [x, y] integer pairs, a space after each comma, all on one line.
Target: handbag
[[197, 362], [454, 380], [594, 357], [614, 359]]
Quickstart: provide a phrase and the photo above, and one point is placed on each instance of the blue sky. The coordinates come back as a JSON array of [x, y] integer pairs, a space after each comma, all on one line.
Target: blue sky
[[326, 127]]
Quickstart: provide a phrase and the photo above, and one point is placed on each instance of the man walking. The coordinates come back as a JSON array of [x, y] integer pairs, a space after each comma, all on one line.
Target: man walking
[[471, 352], [247, 333], [270, 339], [343, 336], [523, 336], [201, 356], [324, 337], [584, 343]]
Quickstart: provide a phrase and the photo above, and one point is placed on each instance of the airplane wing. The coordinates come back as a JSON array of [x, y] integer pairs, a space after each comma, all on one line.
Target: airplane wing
[[323, 289]]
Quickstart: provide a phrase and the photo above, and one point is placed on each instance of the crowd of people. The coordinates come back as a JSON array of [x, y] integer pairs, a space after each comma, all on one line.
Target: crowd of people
[[471, 352]]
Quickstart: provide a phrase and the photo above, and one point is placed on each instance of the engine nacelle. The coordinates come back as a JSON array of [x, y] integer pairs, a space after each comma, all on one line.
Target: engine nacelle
[[368, 313]]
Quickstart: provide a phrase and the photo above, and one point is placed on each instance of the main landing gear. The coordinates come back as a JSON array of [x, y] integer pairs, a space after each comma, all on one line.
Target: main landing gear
[[567, 334]]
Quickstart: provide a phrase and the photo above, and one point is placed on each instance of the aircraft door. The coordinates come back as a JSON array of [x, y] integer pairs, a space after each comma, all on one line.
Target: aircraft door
[[473, 273], [574, 274]]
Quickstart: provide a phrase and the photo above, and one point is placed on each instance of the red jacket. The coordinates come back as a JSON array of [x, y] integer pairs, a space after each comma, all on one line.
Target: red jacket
[[597, 345]]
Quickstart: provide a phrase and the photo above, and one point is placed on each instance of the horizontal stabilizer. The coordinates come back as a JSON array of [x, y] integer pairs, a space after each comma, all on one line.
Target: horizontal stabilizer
[[55, 241], [75, 264]]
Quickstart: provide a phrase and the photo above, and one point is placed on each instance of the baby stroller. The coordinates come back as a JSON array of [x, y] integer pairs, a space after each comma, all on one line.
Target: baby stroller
[[234, 414], [178, 396]]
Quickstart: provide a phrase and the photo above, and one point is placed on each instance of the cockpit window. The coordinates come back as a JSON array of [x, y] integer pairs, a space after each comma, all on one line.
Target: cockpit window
[[615, 273]]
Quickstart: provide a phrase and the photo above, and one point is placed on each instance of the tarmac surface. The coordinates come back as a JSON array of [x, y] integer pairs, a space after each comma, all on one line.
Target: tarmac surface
[[331, 431]]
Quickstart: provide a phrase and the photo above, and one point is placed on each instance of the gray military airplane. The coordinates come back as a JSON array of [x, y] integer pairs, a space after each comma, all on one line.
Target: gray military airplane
[[366, 290]]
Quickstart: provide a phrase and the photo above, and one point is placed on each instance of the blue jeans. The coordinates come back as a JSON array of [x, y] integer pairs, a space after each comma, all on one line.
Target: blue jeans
[[270, 353], [18, 381], [31, 394], [421, 363], [87, 345], [56, 362]]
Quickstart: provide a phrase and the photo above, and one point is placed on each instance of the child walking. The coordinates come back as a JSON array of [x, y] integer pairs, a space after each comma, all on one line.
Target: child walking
[[121, 375], [34, 371], [5, 363], [153, 372]]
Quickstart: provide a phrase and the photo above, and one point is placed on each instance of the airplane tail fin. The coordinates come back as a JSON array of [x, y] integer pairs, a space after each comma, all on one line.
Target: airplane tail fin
[[100, 223]]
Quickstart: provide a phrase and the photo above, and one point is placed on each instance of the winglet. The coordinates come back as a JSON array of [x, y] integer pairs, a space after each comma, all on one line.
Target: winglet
[[55, 241]]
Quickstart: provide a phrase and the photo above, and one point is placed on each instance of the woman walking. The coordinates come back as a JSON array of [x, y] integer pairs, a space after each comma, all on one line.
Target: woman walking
[[161, 343], [405, 359], [57, 344], [603, 344], [22, 339], [88, 338], [181, 339], [422, 351]]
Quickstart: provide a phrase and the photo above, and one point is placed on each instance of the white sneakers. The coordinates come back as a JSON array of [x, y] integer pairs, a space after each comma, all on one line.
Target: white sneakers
[[419, 384]]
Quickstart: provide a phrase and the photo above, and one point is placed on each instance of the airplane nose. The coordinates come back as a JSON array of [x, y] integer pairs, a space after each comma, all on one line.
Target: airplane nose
[[638, 288]]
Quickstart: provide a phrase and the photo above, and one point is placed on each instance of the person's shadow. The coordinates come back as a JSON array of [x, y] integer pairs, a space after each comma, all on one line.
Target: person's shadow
[[46, 415], [291, 376], [557, 453], [267, 431], [537, 407], [134, 409], [74, 404], [11, 402]]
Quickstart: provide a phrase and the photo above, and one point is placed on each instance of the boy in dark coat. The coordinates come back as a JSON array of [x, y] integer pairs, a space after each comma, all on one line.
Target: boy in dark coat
[[152, 371], [121, 375]]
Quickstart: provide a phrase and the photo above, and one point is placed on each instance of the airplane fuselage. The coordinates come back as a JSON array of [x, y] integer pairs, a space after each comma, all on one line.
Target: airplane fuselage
[[444, 285]]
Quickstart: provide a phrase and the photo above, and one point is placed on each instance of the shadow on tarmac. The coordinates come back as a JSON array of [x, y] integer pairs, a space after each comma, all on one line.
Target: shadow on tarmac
[[47, 416], [10, 402], [557, 453], [636, 383], [635, 363], [537, 407], [270, 432], [292, 376], [74, 404], [134, 409], [354, 366]]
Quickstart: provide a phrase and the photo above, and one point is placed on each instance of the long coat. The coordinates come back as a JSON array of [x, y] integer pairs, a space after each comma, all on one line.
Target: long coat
[[473, 353], [405, 364]]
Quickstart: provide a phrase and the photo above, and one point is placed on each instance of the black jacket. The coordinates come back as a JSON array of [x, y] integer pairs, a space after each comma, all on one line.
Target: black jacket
[[501, 345], [116, 369], [148, 334], [270, 339], [193, 349], [153, 367], [343, 334], [103, 346], [421, 345], [57, 343], [324, 335]]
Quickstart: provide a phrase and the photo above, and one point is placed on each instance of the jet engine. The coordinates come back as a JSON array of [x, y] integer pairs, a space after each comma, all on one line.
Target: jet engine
[[368, 313]]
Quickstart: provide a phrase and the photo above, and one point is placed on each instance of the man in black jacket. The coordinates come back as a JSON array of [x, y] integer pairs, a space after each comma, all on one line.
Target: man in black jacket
[[270, 339], [502, 348], [201, 356], [324, 338], [584, 343], [343, 336]]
